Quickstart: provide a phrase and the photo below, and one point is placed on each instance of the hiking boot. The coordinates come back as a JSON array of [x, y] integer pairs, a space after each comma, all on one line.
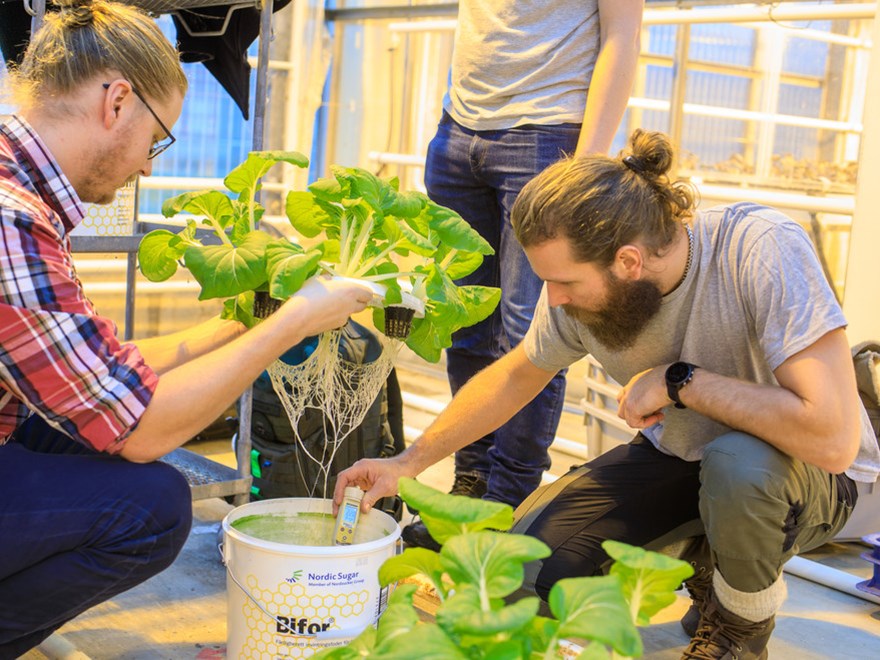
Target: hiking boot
[[417, 535], [468, 485], [698, 588], [723, 635]]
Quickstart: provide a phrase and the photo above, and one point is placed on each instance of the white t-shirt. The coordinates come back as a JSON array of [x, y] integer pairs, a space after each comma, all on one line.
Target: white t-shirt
[[520, 62], [754, 296]]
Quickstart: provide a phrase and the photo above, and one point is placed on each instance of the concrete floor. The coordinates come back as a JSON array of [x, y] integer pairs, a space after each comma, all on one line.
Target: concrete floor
[[181, 613]]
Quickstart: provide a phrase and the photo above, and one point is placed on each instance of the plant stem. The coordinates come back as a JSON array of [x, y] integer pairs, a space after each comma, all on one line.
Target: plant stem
[[418, 289], [220, 233], [361, 245], [444, 265], [329, 268], [550, 651], [252, 204], [384, 276], [375, 260], [344, 231]]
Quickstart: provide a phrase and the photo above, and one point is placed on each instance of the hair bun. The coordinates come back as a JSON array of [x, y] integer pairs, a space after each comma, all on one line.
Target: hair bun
[[76, 13], [652, 152]]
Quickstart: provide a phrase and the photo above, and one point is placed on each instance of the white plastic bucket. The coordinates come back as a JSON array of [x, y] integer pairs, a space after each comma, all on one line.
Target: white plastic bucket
[[290, 601]]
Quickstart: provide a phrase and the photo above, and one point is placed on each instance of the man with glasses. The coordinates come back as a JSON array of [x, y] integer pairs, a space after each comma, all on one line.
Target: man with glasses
[[86, 512], [160, 144]]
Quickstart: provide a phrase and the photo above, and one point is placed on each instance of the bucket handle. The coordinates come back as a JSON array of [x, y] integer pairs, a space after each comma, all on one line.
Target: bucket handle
[[324, 634]]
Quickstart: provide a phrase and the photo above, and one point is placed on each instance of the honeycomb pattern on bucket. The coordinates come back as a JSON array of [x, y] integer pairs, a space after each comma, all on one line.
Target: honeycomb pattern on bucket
[[294, 601], [114, 219]]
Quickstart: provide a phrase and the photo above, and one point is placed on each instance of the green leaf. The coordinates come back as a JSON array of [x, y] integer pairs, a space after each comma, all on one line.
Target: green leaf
[[464, 614], [492, 561], [288, 267], [400, 616], [416, 242], [509, 649], [412, 561], [454, 231], [463, 264], [540, 632], [399, 632], [402, 204], [479, 302], [430, 641], [329, 189], [241, 309], [448, 309], [158, 253], [424, 342], [363, 184], [245, 178], [310, 215], [355, 649], [594, 651], [454, 514], [225, 270], [594, 608], [329, 250], [241, 226], [649, 579], [210, 204]]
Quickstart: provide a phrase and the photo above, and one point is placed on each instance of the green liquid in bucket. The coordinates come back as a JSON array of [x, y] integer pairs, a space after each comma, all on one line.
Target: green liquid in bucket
[[314, 529]]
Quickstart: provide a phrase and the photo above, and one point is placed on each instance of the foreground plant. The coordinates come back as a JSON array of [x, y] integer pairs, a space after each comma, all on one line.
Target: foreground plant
[[361, 227], [478, 568]]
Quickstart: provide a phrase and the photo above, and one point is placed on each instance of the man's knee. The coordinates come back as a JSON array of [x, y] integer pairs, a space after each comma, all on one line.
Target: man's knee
[[157, 517], [737, 466]]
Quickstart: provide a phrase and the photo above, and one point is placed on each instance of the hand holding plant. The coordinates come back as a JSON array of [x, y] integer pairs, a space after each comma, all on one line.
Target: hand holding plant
[[359, 225], [328, 304]]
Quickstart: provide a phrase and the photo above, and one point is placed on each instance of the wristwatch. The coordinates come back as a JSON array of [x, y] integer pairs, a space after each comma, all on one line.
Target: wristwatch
[[678, 374]]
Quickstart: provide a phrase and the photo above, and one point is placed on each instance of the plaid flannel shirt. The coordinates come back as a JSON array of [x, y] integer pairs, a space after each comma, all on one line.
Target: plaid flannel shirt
[[58, 357]]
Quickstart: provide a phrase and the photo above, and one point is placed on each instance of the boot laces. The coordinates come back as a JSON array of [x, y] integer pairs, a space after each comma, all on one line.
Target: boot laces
[[698, 585], [468, 485], [715, 636]]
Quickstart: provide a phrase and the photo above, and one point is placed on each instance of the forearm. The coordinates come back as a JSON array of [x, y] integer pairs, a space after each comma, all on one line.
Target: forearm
[[611, 84], [486, 402], [169, 351], [192, 394], [809, 430]]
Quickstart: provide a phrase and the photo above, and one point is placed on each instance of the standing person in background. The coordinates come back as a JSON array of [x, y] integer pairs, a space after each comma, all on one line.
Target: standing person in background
[[85, 511], [530, 83]]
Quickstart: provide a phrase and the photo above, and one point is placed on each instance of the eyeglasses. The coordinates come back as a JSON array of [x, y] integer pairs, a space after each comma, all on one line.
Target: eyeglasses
[[159, 145]]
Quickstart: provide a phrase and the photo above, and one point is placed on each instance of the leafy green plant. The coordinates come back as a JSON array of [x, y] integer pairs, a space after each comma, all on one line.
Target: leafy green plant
[[479, 568], [361, 226]]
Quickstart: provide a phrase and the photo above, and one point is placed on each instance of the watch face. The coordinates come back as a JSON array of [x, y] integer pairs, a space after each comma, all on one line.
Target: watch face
[[677, 372]]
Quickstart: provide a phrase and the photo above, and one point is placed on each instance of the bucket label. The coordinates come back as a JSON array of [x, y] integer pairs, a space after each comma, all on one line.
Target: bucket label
[[332, 579], [300, 614]]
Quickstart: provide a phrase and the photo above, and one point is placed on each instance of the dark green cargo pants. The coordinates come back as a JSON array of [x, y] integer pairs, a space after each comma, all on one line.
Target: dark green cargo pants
[[756, 506]]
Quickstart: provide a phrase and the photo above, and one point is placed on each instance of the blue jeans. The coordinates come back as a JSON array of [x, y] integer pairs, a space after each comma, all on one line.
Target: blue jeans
[[479, 175], [78, 528]]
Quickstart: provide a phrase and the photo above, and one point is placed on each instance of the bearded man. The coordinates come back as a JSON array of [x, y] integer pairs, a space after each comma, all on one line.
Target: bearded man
[[738, 377]]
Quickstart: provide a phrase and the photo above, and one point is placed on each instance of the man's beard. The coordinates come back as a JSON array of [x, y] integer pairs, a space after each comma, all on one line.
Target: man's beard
[[629, 307]]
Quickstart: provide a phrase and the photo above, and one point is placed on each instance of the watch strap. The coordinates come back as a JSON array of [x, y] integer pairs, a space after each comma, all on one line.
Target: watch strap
[[675, 385]]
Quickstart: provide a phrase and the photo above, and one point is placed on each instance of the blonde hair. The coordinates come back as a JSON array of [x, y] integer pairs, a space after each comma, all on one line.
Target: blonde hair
[[600, 203], [88, 37]]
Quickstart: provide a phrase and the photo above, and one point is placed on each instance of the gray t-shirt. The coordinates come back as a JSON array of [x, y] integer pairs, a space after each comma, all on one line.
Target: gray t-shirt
[[754, 296], [522, 62]]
